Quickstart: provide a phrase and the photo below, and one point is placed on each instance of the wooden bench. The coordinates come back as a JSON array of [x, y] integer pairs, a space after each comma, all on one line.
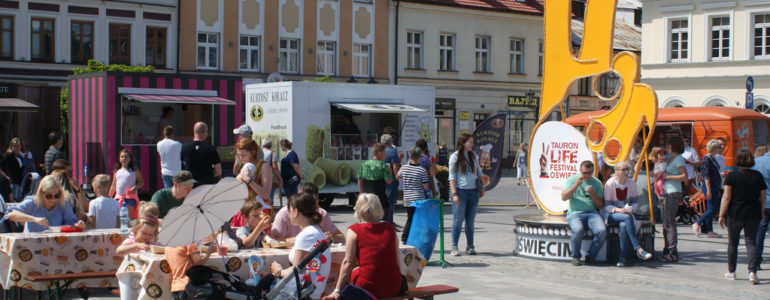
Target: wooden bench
[[67, 279], [425, 292]]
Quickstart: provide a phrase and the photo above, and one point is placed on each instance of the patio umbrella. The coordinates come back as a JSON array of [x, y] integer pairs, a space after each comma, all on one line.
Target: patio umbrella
[[206, 207]]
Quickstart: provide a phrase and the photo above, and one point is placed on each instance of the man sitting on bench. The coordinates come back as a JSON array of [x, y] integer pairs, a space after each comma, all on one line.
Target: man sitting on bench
[[583, 193]]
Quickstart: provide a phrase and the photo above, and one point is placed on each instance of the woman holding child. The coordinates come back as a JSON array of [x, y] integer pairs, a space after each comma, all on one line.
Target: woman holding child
[[250, 172]]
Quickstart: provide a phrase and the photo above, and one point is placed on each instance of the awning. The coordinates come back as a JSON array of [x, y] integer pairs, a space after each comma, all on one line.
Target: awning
[[17, 105], [177, 96], [378, 107]]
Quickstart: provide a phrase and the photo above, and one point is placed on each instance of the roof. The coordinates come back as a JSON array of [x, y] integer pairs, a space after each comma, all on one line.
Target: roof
[[709, 113], [531, 7], [17, 105], [628, 37], [629, 4]]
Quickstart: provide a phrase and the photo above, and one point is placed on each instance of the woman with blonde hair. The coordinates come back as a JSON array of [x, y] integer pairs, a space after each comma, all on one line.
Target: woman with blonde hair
[[375, 245], [711, 188], [256, 174], [46, 208], [11, 165]]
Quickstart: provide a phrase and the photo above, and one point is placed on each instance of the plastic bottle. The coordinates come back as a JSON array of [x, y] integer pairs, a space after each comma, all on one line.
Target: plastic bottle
[[124, 219]]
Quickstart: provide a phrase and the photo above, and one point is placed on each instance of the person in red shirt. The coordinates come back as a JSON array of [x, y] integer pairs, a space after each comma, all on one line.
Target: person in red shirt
[[375, 246]]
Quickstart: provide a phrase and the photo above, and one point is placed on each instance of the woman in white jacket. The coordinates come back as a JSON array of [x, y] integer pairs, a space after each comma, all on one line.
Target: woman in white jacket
[[619, 191]]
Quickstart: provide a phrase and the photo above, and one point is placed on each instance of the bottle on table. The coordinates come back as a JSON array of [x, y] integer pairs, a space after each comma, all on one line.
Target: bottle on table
[[124, 218]]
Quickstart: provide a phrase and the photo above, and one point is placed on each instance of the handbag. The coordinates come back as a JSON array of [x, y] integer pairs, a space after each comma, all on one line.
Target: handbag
[[479, 185]]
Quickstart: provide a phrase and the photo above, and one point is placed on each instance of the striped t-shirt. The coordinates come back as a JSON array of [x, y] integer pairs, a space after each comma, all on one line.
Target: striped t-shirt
[[412, 179]]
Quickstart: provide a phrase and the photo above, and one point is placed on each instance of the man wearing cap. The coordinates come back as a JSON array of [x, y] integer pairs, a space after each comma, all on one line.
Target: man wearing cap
[[168, 198], [200, 157], [243, 132]]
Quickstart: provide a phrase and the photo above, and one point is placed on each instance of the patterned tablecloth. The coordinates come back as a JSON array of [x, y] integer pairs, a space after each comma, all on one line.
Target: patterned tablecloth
[[155, 280], [23, 254]]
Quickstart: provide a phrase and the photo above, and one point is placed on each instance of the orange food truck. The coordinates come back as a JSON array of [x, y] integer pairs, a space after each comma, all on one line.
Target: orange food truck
[[741, 128]]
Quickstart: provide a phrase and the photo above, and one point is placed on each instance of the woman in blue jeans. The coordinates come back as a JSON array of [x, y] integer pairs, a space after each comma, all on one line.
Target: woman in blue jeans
[[463, 171], [712, 182], [620, 193]]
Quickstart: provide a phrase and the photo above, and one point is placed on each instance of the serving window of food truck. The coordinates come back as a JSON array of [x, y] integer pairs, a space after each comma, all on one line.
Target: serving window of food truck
[[146, 111], [356, 127]]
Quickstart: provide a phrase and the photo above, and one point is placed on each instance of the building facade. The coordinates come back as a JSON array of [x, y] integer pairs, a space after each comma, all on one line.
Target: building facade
[[344, 39], [482, 58], [698, 53]]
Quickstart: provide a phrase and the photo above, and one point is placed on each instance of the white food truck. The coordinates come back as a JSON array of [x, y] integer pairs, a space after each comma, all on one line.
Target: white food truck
[[333, 126]]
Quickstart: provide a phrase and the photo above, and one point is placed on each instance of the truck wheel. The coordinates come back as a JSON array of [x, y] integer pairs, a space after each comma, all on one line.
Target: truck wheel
[[352, 197], [325, 200]]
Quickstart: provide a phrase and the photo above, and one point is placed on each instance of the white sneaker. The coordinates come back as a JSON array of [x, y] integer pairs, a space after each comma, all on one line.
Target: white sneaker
[[455, 251], [730, 276], [753, 278]]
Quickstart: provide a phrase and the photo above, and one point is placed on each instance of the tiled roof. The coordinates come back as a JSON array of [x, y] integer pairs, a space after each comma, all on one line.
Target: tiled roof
[[627, 36], [532, 7]]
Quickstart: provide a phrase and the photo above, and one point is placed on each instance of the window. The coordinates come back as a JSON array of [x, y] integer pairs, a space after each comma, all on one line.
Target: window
[[679, 40], [517, 56], [120, 44], [43, 39], [482, 54], [762, 35], [540, 57], [208, 51], [762, 108], [288, 53], [326, 58], [361, 58], [6, 36], [156, 47], [414, 50], [248, 53], [720, 37], [82, 37], [446, 46]]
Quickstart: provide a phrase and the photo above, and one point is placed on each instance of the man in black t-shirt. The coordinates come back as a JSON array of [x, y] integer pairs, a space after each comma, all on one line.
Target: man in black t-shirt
[[200, 157]]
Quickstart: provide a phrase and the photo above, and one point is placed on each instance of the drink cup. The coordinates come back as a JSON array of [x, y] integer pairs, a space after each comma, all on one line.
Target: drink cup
[[222, 250]]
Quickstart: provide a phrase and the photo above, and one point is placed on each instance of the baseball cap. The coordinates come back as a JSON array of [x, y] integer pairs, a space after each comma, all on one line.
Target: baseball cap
[[184, 177], [243, 130]]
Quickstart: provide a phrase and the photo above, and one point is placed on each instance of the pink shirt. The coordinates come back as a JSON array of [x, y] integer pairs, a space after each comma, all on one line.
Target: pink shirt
[[282, 223]]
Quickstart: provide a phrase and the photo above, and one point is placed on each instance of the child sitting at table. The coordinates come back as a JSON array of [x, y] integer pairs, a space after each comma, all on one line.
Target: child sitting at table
[[103, 212], [145, 232], [253, 231], [181, 259]]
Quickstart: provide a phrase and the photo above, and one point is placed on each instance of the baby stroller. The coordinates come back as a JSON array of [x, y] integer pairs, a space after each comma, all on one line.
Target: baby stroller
[[206, 283], [687, 213]]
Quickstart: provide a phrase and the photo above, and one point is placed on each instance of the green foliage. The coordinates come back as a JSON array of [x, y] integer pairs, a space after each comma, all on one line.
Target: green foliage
[[93, 66], [323, 79]]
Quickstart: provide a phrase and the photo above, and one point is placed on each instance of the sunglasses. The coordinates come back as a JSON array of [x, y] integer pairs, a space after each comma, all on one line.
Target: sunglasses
[[625, 169], [53, 196]]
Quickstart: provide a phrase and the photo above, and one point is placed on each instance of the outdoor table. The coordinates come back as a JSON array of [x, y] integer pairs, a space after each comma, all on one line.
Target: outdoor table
[[53, 252], [155, 280]]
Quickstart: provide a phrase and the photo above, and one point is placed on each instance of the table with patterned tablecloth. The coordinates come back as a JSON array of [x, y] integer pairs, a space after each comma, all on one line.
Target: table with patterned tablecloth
[[50, 252], [155, 280]]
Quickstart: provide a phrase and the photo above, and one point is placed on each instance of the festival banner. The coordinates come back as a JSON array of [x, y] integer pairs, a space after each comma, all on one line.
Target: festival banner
[[489, 139], [556, 152]]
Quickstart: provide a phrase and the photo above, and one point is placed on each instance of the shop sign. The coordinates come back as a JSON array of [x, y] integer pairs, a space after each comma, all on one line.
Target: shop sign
[[488, 139], [522, 101], [7, 90], [557, 150], [465, 115]]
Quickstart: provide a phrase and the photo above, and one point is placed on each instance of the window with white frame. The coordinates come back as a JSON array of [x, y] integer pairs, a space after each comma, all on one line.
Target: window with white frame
[[248, 53], [326, 58], [288, 55], [540, 50], [517, 56], [414, 50], [361, 60], [208, 51], [679, 40], [720, 37], [446, 49], [482, 53], [762, 35]]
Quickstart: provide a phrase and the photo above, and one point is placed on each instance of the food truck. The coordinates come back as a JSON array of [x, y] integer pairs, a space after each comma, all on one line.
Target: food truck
[[333, 126], [111, 111], [741, 128]]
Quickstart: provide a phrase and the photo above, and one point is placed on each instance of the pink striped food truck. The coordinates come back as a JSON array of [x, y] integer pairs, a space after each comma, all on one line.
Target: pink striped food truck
[[110, 111]]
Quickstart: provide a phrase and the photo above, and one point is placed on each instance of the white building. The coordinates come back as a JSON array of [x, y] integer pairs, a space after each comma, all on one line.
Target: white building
[[482, 57], [700, 53]]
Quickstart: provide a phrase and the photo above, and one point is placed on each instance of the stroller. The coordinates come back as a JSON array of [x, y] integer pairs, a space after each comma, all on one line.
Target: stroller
[[206, 283], [689, 209]]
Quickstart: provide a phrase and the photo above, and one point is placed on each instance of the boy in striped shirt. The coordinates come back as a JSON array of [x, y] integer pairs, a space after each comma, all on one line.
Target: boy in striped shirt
[[414, 180]]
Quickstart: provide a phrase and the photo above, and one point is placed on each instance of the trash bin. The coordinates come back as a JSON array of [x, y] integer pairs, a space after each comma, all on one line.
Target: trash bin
[[129, 285], [425, 226]]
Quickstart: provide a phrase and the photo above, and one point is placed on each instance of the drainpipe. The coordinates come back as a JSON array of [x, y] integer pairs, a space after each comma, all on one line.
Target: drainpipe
[[178, 17], [395, 48]]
